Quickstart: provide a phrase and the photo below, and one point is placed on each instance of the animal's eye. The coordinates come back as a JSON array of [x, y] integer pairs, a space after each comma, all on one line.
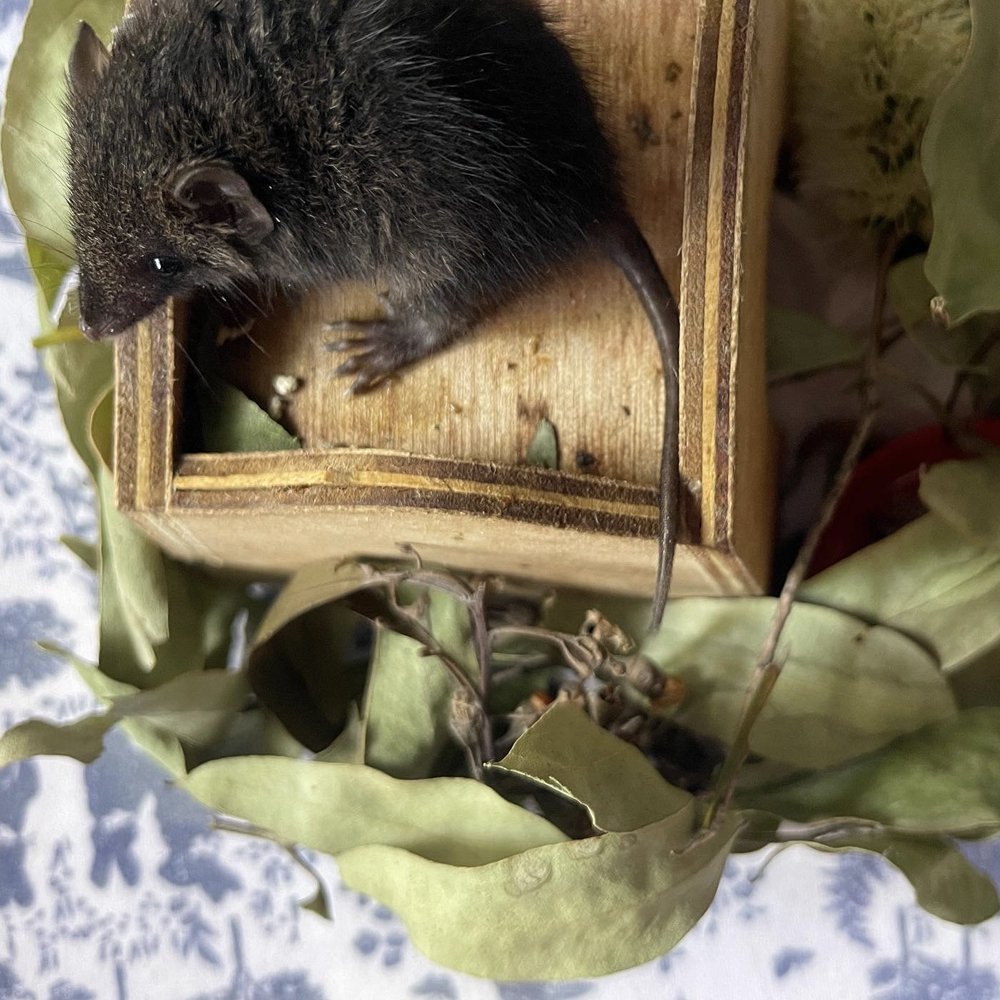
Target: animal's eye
[[165, 265]]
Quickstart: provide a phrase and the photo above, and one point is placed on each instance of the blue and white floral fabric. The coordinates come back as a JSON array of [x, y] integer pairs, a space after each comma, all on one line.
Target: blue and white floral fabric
[[113, 886]]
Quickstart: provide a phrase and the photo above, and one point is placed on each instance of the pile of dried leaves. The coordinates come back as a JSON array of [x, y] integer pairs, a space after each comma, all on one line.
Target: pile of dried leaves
[[534, 795]]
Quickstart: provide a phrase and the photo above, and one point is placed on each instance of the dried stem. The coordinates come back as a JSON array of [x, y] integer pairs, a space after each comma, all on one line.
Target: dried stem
[[568, 645], [481, 644], [767, 668], [431, 647], [582, 654], [414, 628]]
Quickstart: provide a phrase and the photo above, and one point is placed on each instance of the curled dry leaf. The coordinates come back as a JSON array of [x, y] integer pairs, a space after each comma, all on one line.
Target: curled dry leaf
[[449, 853], [569, 754], [565, 911]]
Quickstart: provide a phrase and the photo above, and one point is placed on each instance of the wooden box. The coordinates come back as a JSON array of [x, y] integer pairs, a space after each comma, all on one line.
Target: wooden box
[[693, 96]]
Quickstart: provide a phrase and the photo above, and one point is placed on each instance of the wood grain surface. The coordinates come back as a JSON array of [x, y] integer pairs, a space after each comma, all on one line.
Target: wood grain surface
[[693, 95]]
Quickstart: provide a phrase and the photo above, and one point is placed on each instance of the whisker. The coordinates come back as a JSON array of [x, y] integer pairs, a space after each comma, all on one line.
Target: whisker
[[256, 343], [52, 104], [59, 135], [201, 375], [27, 269], [240, 295], [41, 225], [42, 163]]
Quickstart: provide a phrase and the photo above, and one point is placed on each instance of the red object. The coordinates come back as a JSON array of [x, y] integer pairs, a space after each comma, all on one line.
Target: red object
[[882, 495]]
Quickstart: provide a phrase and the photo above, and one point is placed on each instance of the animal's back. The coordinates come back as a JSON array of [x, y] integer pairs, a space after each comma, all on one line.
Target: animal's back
[[414, 141]]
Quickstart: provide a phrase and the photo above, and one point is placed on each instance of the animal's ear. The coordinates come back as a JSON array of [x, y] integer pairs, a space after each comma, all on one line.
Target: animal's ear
[[216, 195], [89, 60]]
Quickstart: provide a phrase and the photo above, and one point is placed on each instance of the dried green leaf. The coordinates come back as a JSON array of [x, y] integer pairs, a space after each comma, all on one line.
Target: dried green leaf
[[969, 346], [454, 821], [566, 911], [976, 683], [33, 142], [159, 617], [568, 753], [846, 687], [959, 492], [758, 829], [910, 294], [926, 580], [57, 312], [349, 746], [798, 344], [319, 904], [311, 671], [544, 448], [85, 551], [194, 708], [943, 779], [82, 373], [408, 703], [232, 422], [134, 608], [322, 582], [960, 151], [82, 740], [946, 884], [57, 338], [161, 746]]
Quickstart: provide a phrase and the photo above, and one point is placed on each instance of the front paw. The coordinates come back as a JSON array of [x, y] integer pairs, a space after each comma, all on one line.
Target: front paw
[[377, 351]]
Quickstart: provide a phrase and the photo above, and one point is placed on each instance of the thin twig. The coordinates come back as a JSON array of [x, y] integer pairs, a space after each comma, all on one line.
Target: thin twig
[[520, 664], [568, 645], [410, 625], [481, 644], [586, 656], [431, 647], [767, 668]]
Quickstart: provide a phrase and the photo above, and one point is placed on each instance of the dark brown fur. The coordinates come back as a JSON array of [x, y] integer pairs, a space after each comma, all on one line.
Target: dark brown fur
[[446, 152]]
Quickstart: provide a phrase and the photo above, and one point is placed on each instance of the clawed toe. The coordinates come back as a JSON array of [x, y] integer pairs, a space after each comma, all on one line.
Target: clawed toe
[[351, 366], [352, 325], [377, 349], [365, 382], [348, 344], [370, 373], [374, 358]]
